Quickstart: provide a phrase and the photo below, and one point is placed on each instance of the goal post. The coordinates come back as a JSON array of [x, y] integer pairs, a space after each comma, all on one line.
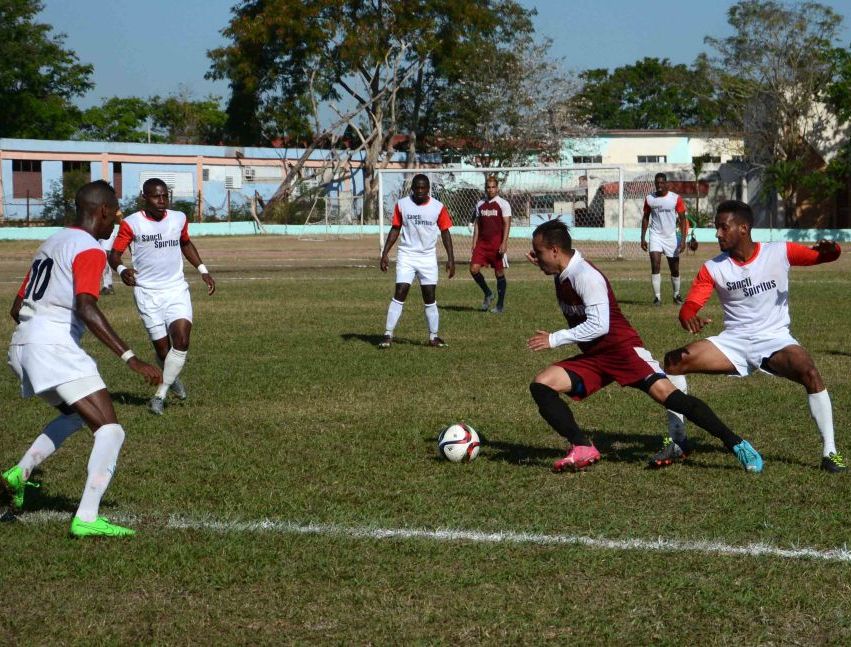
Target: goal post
[[600, 205]]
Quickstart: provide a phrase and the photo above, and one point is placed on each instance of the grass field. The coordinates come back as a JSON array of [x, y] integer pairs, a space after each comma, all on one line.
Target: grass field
[[296, 497]]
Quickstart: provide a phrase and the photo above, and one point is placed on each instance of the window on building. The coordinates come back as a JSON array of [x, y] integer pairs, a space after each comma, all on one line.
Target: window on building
[[707, 159], [70, 167], [652, 159], [26, 179], [205, 175], [117, 180], [587, 159]]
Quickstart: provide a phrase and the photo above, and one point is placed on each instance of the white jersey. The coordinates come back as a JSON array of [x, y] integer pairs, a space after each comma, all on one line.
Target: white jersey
[[68, 263], [156, 248], [664, 212], [754, 295], [420, 225]]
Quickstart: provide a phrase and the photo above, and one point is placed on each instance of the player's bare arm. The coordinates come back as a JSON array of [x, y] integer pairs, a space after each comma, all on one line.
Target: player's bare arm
[[87, 309], [127, 274], [539, 341], [503, 247], [475, 233], [15, 311], [392, 237], [645, 221], [191, 253], [683, 223], [446, 237]]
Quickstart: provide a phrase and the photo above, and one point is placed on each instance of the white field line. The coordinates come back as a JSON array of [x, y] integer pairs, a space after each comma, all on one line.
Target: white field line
[[176, 522]]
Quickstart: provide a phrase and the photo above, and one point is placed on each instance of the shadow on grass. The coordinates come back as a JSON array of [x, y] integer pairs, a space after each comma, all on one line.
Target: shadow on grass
[[123, 397], [841, 353], [374, 340], [459, 308]]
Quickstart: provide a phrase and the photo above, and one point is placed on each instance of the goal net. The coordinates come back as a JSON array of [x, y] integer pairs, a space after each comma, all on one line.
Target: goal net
[[602, 207]]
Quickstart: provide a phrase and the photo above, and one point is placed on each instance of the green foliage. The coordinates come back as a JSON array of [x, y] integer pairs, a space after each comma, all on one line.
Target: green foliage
[[180, 120], [650, 94], [59, 202], [116, 120], [39, 78]]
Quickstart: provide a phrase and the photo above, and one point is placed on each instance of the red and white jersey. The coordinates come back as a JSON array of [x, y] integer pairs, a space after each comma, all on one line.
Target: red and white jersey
[[421, 224], [68, 263], [597, 324], [754, 295], [664, 211], [489, 215], [156, 248]]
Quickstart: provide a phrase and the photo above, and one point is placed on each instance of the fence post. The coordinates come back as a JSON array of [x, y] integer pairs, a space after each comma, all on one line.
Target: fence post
[[227, 200], [28, 207]]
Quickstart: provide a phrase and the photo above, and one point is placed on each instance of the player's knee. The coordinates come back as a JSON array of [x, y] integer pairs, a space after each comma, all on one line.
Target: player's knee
[[811, 378]]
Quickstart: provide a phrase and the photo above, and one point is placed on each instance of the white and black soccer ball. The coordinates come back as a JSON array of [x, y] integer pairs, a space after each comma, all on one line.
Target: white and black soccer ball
[[458, 443]]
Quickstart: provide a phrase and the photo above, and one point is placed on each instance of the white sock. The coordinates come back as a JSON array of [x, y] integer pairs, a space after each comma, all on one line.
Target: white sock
[[108, 441], [656, 282], [675, 282], [394, 311], [822, 413], [432, 319], [172, 366], [676, 421], [50, 439]]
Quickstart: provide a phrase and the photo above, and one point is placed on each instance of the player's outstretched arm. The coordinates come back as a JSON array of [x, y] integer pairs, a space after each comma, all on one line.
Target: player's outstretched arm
[[539, 341], [388, 245], [446, 237], [87, 309], [191, 253]]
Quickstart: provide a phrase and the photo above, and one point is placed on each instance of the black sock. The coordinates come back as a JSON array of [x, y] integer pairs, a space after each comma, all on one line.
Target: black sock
[[480, 281], [500, 290], [557, 414], [697, 411]]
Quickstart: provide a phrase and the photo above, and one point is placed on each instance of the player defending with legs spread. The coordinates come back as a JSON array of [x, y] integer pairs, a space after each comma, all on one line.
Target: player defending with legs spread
[[752, 283], [491, 224], [158, 237], [611, 349], [664, 213], [419, 218], [56, 302]]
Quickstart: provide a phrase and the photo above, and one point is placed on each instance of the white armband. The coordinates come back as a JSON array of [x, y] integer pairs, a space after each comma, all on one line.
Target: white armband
[[128, 354], [120, 269], [202, 269]]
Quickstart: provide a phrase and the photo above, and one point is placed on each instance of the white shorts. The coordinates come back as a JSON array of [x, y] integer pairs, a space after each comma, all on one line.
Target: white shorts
[[423, 268], [668, 245], [747, 354], [56, 373], [160, 308]]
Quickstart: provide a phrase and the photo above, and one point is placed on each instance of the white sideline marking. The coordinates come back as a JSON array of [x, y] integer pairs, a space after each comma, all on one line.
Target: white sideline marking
[[660, 544]]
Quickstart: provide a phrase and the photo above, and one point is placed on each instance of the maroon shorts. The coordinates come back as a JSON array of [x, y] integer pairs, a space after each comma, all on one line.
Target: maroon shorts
[[486, 256], [627, 367]]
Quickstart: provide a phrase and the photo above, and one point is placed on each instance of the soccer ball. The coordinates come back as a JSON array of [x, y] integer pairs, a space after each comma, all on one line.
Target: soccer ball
[[458, 443]]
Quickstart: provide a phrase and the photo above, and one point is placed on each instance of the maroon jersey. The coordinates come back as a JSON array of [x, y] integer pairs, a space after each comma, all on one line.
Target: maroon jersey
[[489, 215]]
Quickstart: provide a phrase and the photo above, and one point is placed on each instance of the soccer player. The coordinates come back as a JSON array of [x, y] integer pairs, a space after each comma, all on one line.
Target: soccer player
[[419, 219], [158, 237], [664, 214], [491, 224], [752, 283], [56, 302], [611, 349]]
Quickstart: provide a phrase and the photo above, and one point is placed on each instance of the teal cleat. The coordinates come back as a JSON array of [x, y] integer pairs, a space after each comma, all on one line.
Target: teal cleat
[[748, 457]]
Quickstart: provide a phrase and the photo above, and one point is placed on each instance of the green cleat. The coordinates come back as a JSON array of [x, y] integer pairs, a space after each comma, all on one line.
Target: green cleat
[[834, 463], [16, 485], [100, 527]]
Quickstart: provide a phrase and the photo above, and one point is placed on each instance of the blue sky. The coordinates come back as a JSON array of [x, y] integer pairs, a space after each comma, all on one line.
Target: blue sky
[[154, 47]]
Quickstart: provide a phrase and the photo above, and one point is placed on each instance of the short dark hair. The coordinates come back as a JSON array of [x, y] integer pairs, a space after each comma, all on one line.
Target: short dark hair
[[93, 195], [152, 182], [421, 176], [741, 211], [554, 233], [660, 175]]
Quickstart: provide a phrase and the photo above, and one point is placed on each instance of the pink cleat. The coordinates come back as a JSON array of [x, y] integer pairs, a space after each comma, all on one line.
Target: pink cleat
[[578, 458]]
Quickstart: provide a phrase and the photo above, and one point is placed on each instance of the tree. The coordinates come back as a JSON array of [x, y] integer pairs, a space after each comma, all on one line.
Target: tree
[[774, 70], [178, 119], [377, 67], [38, 77], [116, 120], [651, 94]]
